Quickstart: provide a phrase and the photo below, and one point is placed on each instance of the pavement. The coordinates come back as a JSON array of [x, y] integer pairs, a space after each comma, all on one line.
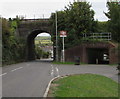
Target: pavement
[[30, 79]]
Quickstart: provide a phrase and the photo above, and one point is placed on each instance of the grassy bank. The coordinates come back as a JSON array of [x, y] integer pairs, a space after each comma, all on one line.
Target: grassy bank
[[84, 85]]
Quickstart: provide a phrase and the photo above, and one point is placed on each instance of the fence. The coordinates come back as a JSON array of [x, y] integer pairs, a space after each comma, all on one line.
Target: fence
[[98, 36]]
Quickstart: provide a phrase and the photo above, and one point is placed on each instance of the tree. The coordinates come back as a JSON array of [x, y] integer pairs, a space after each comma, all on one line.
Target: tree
[[102, 27], [114, 19], [12, 47], [76, 19]]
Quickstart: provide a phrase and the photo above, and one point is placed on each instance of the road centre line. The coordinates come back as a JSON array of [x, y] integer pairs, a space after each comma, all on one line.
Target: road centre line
[[3, 74], [16, 69], [52, 72], [57, 71]]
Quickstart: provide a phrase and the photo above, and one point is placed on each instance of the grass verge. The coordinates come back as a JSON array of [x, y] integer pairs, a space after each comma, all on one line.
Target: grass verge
[[67, 63], [84, 85], [72, 63]]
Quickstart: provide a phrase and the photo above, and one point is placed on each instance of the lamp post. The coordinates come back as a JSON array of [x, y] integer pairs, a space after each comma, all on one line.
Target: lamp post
[[56, 37]]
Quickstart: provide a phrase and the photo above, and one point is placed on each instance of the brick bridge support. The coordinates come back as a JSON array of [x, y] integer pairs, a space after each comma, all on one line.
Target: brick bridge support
[[28, 29]]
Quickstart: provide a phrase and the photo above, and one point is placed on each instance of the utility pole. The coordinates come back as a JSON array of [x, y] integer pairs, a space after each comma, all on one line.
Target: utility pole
[[56, 37]]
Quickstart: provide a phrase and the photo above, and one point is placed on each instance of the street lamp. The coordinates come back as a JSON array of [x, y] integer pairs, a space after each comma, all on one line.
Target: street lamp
[[56, 37]]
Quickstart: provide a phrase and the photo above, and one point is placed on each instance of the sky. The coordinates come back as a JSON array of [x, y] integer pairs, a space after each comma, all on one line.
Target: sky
[[44, 34], [44, 8]]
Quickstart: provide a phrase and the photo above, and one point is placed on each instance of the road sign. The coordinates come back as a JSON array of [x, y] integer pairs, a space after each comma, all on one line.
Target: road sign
[[63, 34]]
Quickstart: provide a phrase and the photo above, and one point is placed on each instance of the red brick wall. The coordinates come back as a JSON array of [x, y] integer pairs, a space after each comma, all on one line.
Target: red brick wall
[[81, 51]]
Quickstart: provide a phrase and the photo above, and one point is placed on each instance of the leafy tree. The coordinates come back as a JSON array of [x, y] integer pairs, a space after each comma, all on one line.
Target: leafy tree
[[12, 47], [76, 19], [102, 27], [114, 19], [39, 52]]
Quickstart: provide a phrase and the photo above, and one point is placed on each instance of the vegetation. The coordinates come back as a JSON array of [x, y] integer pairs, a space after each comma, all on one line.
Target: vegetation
[[76, 19], [102, 27], [114, 19], [40, 53], [12, 47], [43, 40], [67, 63], [84, 85]]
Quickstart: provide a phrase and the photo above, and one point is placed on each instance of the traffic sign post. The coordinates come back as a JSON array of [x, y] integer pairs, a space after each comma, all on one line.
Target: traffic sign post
[[63, 34]]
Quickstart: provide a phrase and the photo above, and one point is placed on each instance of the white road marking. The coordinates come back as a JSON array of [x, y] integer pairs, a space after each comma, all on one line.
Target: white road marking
[[16, 69], [57, 71], [52, 72], [3, 74]]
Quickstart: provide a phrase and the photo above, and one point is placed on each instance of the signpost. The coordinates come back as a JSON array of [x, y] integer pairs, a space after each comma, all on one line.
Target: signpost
[[63, 34]]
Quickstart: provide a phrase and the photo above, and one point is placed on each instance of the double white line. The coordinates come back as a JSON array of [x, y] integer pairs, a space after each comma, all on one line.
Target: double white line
[[52, 72]]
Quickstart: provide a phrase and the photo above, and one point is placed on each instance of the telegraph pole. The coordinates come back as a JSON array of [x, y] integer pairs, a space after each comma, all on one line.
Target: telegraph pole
[[56, 37]]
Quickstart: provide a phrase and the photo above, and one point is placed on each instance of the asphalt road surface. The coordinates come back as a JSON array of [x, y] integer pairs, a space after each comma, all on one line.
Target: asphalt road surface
[[30, 79]]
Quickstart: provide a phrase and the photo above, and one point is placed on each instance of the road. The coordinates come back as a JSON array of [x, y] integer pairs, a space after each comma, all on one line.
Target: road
[[30, 79]]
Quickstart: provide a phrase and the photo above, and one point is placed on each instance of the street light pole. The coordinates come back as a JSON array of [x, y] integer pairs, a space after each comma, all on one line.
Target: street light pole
[[56, 37]]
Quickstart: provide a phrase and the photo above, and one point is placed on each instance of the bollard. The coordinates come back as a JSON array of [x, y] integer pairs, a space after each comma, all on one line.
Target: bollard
[[77, 60]]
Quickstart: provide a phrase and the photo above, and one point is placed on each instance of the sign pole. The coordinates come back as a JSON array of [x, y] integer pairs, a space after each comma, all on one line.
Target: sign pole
[[56, 38], [63, 51], [63, 35]]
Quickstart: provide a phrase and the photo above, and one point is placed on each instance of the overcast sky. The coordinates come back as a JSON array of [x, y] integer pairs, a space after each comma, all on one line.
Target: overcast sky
[[43, 8]]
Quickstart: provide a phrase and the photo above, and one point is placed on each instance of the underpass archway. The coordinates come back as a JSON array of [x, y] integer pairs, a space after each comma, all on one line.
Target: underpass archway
[[30, 45], [44, 46], [98, 56]]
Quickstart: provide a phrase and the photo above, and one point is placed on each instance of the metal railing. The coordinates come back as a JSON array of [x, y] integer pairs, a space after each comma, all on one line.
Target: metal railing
[[97, 36]]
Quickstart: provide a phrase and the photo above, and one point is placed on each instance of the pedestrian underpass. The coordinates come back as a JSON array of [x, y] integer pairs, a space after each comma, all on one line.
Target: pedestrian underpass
[[98, 56]]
